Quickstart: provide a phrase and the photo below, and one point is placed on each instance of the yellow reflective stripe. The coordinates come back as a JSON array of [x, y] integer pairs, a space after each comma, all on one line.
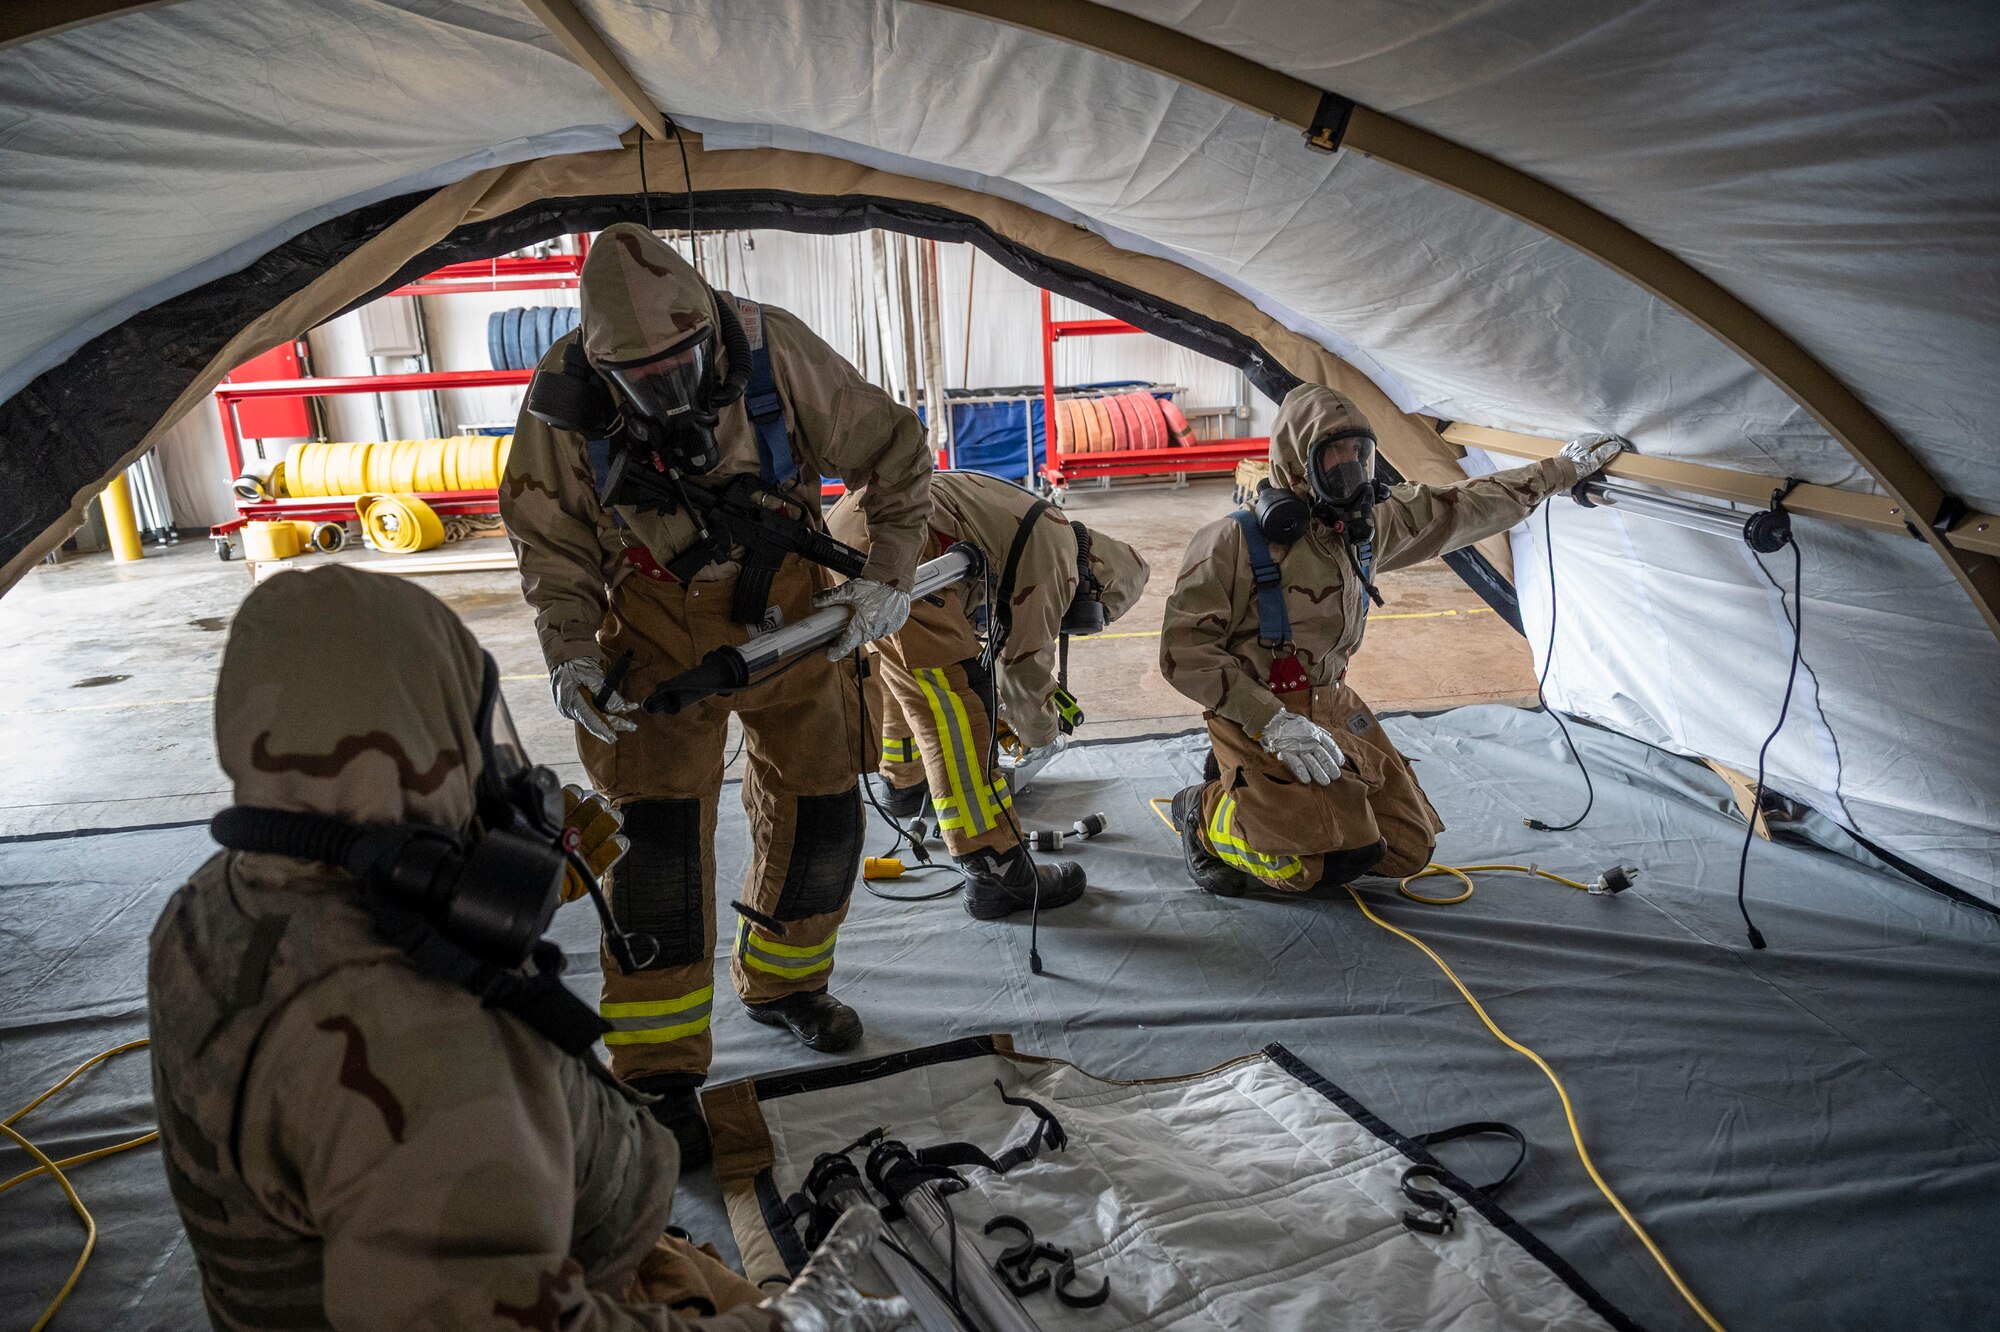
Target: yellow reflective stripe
[[899, 751], [656, 1035], [754, 950], [784, 949], [657, 1007], [955, 736], [630, 1018], [1233, 850]]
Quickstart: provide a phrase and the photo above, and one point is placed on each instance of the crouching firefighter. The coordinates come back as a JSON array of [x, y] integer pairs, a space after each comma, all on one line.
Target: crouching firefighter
[[663, 499], [379, 1105], [1271, 604], [931, 691]]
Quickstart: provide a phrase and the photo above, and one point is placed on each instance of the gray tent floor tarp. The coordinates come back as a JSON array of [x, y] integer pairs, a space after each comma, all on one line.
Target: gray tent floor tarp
[[1811, 1132]]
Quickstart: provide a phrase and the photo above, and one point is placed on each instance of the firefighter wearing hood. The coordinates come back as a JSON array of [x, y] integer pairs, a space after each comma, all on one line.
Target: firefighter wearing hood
[[708, 395], [374, 1112], [929, 692], [1310, 792]]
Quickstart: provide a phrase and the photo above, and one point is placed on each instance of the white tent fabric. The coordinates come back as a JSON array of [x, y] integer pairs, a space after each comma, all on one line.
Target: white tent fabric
[[1833, 165]]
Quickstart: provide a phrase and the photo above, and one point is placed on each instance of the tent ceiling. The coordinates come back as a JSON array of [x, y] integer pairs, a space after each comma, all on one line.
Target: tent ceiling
[[1790, 150]]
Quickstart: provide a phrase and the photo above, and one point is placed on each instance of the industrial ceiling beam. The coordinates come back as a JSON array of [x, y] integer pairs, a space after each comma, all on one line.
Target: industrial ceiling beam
[[589, 49], [1266, 91]]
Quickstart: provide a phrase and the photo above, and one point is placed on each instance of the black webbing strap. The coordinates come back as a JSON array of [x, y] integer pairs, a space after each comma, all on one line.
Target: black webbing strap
[[1480, 1128], [753, 583], [1004, 612], [539, 999], [1329, 123]]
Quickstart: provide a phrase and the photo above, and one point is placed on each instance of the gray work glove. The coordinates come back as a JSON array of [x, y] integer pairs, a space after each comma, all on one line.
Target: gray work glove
[[1591, 452], [875, 610], [575, 685], [1022, 775], [823, 1297], [1304, 746]]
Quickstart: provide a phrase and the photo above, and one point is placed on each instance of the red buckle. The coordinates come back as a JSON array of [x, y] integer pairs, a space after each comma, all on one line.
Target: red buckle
[[642, 559]]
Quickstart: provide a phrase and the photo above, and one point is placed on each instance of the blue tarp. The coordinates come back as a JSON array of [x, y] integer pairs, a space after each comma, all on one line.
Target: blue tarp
[[995, 436]]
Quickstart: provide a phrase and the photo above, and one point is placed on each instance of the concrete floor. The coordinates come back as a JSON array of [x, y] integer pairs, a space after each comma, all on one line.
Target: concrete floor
[[105, 718]]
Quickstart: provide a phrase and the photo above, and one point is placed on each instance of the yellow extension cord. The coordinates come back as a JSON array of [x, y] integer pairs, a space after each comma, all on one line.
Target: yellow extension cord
[[1463, 874], [54, 1169]]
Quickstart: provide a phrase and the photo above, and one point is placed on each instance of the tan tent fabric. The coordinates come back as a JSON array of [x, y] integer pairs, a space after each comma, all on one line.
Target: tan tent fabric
[[1410, 442]]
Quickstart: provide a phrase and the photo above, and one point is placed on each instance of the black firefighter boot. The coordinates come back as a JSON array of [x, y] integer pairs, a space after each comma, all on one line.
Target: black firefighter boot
[[820, 1021], [679, 1108], [1000, 883], [903, 803], [1209, 874]]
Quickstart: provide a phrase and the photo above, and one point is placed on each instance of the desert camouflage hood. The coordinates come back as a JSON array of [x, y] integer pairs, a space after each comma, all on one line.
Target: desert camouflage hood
[[638, 296], [351, 694], [1309, 412]]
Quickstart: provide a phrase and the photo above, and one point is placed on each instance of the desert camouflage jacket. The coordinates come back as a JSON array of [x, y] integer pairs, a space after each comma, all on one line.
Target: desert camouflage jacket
[[1209, 648], [637, 291]]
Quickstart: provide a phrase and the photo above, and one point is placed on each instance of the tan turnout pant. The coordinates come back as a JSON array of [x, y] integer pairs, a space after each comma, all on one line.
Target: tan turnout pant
[[1259, 818], [934, 724], [802, 737]]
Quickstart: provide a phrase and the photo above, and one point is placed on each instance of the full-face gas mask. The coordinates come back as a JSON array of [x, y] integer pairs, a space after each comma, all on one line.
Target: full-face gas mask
[[671, 400], [1341, 471], [490, 888]]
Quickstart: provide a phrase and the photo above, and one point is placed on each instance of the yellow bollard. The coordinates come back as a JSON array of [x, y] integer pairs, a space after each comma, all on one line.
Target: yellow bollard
[[119, 521]]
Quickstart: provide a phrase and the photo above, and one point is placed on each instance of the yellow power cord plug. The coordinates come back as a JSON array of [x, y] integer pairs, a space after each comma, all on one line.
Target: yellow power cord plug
[[54, 1169]]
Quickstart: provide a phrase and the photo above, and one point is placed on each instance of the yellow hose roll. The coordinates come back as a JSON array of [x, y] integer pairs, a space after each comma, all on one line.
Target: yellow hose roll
[[402, 524], [395, 467]]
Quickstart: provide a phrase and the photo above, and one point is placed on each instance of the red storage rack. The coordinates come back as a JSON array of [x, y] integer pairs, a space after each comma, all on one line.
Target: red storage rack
[[1059, 469], [507, 273]]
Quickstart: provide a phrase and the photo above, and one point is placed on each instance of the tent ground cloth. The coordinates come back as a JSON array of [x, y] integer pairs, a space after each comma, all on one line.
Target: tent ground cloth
[[1811, 1132]]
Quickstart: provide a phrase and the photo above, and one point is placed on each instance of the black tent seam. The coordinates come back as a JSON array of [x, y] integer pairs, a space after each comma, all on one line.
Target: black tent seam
[[1484, 1205]]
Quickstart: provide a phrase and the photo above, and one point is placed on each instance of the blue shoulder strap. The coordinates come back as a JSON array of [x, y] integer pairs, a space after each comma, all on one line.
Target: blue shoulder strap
[[767, 416], [1274, 623]]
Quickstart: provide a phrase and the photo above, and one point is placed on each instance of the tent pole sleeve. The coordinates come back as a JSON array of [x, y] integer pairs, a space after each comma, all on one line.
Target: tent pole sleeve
[[1198, 64], [1978, 533], [589, 49]]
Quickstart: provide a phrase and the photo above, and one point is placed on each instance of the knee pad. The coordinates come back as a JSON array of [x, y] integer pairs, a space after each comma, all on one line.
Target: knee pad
[[656, 887], [1343, 866], [826, 855], [977, 676]]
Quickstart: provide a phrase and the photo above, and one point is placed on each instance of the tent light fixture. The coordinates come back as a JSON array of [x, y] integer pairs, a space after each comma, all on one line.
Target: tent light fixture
[[1717, 519]]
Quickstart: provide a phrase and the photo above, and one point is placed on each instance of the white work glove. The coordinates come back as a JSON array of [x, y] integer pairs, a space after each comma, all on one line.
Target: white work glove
[[1304, 746], [823, 1297], [575, 685], [1022, 775], [876, 610], [1591, 452]]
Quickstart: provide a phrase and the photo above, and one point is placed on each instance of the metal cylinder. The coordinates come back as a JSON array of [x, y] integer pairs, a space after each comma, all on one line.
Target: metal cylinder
[[992, 1304], [1696, 517], [119, 522], [822, 627]]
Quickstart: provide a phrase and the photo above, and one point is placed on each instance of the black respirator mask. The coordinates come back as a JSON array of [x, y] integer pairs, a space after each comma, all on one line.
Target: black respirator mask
[[665, 405], [490, 888], [1341, 470], [1085, 613]]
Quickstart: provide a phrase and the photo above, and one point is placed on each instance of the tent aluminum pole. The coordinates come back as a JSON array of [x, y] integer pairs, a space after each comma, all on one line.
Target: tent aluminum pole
[[1709, 518], [995, 1308]]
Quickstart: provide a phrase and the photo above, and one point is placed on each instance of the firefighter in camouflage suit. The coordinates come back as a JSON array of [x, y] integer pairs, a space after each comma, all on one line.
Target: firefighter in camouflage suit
[[713, 392], [1261, 625]]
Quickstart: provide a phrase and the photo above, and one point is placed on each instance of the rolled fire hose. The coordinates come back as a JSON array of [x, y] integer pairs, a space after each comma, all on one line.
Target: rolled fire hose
[[728, 669], [402, 524], [397, 467]]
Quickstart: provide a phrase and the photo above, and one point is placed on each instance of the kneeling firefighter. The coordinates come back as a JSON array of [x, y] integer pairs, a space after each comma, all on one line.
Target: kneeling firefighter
[[1049, 578], [663, 499], [1271, 604], [379, 1106]]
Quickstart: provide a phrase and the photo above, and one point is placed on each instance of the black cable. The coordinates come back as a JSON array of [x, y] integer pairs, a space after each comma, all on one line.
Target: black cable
[[957, 1309], [687, 176], [645, 190], [1819, 701], [990, 664], [1757, 790], [902, 834], [1541, 682]]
